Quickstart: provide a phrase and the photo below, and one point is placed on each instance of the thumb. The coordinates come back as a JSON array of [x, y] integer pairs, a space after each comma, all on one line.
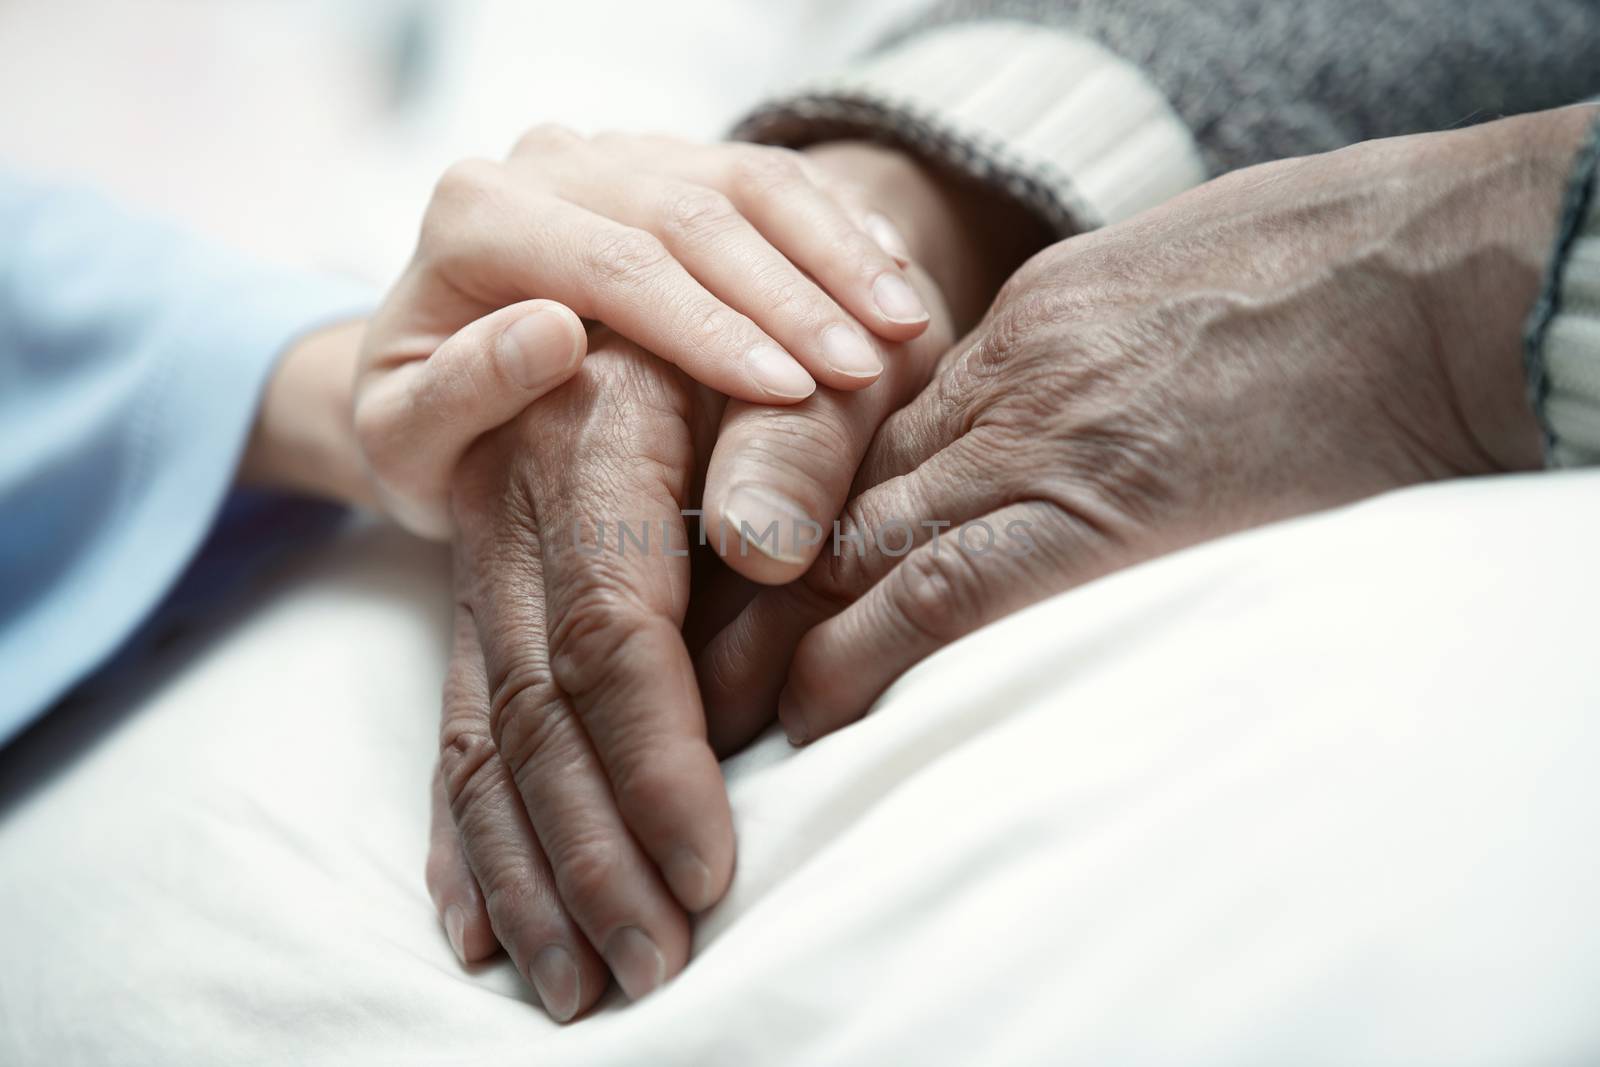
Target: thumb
[[416, 419]]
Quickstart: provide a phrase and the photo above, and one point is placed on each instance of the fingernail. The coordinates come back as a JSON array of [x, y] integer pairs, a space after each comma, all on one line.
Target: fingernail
[[690, 879], [796, 733], [776, 372], [896, 299], [537, 349], [555, 976], [635, 961], [889, 238], [766, 521], [848, 353], [455, 928]]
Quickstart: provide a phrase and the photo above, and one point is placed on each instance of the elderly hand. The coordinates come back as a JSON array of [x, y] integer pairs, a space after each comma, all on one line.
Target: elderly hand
[[1287, 338], [590, 810], [578, 811]]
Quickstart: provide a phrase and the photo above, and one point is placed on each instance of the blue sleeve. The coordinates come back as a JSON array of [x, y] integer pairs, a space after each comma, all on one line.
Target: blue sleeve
[[132, 358]]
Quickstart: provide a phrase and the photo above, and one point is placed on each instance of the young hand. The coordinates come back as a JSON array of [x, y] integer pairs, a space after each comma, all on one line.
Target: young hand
[[748, 267]]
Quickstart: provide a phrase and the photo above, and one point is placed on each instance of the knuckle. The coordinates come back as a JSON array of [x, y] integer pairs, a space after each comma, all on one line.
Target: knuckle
[[611, 139], [935, 593], [544, 139], [591, 642], [524, 710], [841, 575], [461, 197], [846, 192], [713, 325], [466, 182], [627, 257], [587, 866], [1118, 472], [785, 291], [697, 213], [761, 169], [514, 905], [467, 756], [642, 780], [1010, 335], [1042, 269]]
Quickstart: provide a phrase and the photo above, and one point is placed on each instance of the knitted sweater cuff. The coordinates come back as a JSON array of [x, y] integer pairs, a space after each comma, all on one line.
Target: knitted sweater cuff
[[1072, 131], [1563, 337]]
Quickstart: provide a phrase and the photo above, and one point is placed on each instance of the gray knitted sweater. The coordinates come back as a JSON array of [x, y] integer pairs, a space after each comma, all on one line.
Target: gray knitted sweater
[[1089, 111]]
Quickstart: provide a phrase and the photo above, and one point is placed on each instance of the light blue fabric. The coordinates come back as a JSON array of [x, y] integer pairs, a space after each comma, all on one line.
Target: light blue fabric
[[132, 357]]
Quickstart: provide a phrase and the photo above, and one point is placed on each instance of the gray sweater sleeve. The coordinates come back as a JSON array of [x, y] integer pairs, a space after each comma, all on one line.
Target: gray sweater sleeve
[[1257, 80], [1169, 92]]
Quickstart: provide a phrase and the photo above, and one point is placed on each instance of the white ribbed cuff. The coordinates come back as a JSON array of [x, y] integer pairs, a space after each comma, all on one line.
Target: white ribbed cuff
[[1564, 356], [1572, 354], [1073, 129]]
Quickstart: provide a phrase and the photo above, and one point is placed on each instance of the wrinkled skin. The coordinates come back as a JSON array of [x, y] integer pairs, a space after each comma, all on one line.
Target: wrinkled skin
[[581, 782], [580, 813], [1284, 339]]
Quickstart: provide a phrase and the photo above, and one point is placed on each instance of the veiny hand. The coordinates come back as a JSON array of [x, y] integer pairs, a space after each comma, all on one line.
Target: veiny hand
[[1284, 339], [591, 812], [745, 266], [579, 812]]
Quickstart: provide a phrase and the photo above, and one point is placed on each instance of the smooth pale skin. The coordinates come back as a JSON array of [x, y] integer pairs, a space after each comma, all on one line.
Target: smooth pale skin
[[755, 272]]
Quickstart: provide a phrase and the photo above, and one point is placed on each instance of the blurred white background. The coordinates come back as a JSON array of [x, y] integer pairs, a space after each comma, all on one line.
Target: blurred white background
[[311, 132]]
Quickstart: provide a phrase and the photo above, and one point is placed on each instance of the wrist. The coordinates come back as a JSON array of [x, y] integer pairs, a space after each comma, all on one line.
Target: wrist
[[1504, 186], [303, 440], [969, 238]]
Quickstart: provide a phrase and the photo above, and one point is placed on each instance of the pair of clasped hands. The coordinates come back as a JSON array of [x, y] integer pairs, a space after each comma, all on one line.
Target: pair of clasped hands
[[774, 347], [614, 331]]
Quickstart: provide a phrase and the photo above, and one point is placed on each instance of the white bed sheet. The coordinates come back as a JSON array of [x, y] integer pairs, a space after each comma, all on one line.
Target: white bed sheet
[[1321, 793]]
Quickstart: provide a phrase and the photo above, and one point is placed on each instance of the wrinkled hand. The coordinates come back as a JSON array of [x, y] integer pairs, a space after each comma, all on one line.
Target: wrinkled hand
[[1284, 339], [574, 766], [579, 809]]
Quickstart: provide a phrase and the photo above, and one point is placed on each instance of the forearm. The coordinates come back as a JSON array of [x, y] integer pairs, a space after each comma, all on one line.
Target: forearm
[[1480, 252]]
